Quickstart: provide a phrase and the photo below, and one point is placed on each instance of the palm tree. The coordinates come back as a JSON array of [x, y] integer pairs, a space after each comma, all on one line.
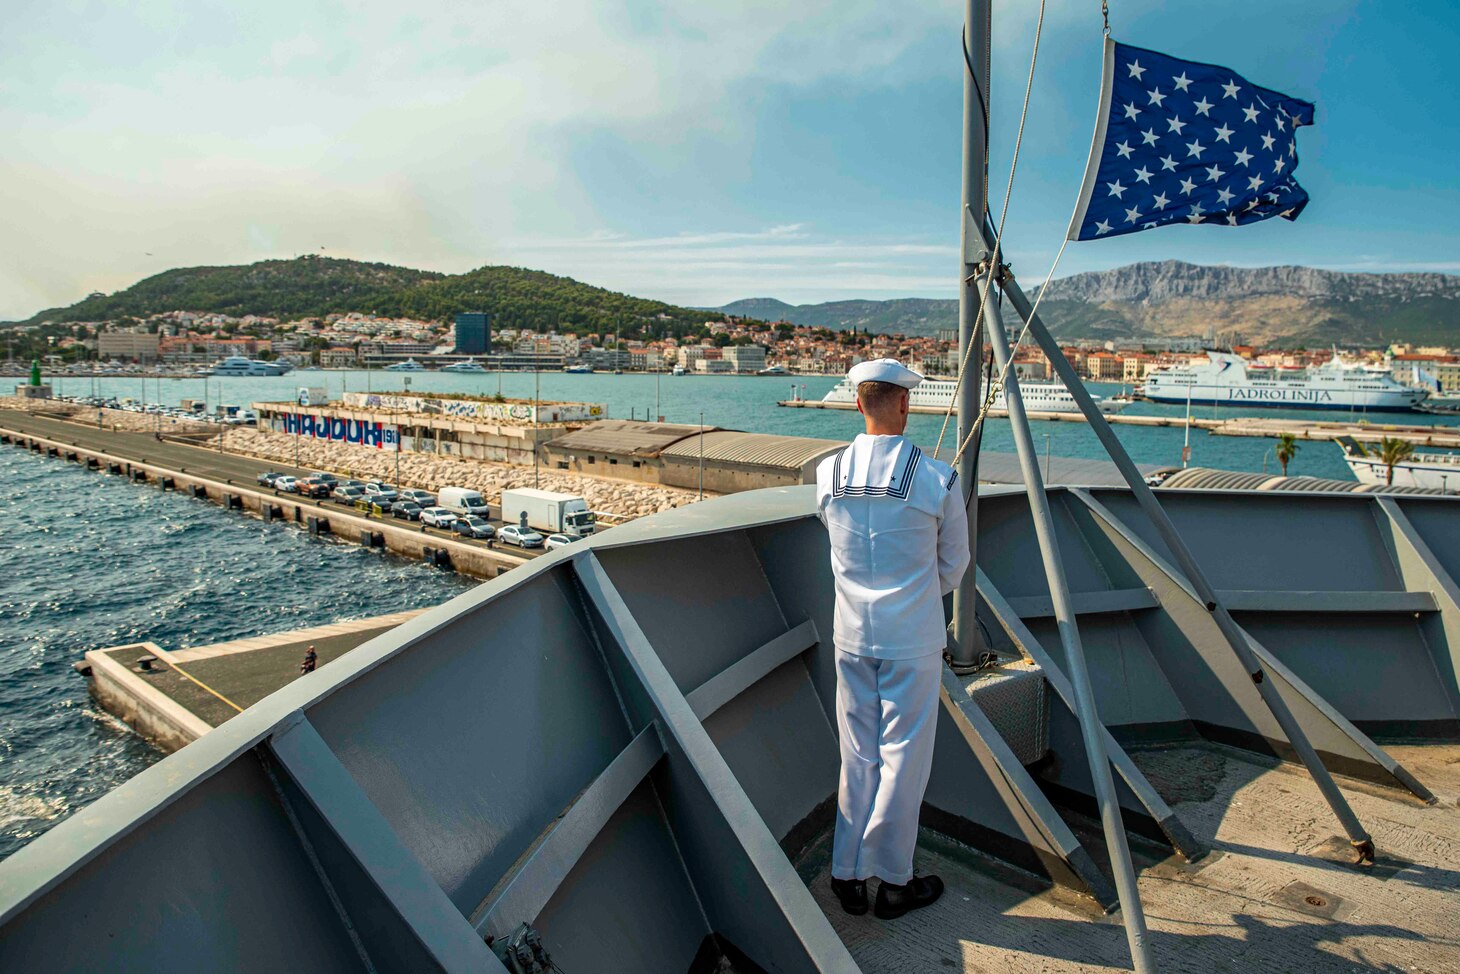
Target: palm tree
[[1286, 449], [1392, 451]]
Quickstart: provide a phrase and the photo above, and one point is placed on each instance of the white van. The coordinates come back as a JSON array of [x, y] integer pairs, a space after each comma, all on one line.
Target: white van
[[461, 500]]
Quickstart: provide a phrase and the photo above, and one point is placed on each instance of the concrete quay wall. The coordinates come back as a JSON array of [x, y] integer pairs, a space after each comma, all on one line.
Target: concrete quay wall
[[148, 711], [394, 536]]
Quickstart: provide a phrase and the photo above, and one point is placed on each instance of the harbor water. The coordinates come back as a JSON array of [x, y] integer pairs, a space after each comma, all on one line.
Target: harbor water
[[94, 561], [749, 403]]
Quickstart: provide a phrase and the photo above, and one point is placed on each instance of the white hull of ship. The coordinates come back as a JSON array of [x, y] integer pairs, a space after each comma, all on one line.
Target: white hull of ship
[[1258, 396], [1436, 471], [935, 396]]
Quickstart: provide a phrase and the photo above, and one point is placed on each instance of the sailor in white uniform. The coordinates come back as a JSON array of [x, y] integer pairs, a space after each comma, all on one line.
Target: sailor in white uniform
[[899, 543]]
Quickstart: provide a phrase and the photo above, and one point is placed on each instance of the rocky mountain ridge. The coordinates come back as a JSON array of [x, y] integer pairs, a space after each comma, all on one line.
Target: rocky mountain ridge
[[1268, 305]]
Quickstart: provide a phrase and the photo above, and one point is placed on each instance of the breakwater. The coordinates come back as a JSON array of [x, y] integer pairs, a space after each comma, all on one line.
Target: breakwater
[[228, 481]]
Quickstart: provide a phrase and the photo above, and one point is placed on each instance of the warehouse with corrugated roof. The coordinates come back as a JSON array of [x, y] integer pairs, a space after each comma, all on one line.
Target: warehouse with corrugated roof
[[744, 461], [670, 454]]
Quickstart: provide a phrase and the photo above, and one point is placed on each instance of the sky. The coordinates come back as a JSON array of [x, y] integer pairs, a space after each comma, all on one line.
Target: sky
[[696, 152]]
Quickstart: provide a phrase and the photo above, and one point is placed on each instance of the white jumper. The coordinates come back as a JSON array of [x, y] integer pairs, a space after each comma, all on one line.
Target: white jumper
[[899, 543]]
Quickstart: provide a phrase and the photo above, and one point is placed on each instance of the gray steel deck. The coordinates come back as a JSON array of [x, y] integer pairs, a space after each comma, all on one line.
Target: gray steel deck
[[627, 744]]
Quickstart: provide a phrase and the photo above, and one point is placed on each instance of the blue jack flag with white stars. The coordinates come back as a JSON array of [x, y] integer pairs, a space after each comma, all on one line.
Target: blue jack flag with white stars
[[1184, 142]]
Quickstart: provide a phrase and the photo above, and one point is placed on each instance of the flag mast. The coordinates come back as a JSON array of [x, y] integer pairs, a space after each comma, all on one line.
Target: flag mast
[[977, 23]]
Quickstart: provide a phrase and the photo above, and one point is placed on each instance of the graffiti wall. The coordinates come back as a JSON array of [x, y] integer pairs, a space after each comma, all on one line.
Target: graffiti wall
[[379, 435], [512, 410]]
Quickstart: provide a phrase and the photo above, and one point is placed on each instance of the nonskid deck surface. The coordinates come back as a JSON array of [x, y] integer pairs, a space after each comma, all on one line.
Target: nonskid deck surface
[[1276, 894]]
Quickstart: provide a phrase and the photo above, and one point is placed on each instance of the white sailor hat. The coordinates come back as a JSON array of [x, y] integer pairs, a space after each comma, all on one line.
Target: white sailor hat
[[884, 370]]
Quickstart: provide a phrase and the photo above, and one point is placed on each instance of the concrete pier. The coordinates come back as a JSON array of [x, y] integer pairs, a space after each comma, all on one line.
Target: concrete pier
[[230, 480], [174, 697]]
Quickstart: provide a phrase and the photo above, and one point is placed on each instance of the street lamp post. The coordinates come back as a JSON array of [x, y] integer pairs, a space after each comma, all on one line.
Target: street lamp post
[[702, 454], [397, 441]]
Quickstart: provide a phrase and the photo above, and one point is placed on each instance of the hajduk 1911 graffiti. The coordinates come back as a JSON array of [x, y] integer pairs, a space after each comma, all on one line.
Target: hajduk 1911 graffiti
[[378, 435]]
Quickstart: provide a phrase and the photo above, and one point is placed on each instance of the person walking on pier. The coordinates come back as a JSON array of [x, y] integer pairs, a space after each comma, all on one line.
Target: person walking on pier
[[310, 659], [899, 543]]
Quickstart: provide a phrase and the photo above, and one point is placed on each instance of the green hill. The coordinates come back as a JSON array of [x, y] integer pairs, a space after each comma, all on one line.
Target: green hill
[[312, 286]]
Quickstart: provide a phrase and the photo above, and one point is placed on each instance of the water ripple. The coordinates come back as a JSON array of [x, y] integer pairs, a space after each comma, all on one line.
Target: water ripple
[[127, 563]]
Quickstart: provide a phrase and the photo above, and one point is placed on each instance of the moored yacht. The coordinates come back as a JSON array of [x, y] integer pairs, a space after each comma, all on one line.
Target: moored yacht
[[238, 365], [409, 365], [470, 365]]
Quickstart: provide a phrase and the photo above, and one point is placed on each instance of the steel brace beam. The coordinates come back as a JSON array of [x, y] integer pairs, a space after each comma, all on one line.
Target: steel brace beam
[[1363, 844], [1092, 731]]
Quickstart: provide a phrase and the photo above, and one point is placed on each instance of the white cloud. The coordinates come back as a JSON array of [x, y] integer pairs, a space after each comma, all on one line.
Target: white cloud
[[211, 134]]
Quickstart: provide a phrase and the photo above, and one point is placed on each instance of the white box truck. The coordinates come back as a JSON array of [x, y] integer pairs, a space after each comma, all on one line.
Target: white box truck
[[463, 501], [549, 511]]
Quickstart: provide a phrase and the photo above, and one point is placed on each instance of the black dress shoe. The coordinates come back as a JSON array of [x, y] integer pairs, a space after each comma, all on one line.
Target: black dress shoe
[[894, 901], [852, 893]]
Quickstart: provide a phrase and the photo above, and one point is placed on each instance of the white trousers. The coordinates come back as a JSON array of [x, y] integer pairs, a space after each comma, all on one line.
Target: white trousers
[[886, 716]]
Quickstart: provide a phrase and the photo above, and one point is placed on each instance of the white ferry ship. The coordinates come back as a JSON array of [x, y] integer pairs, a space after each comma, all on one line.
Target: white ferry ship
[[935, 395], [238, 365], [1431, 470], [1226, 379]]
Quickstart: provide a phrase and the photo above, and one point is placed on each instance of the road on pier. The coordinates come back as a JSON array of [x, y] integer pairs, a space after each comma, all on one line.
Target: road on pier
[[208, 462]]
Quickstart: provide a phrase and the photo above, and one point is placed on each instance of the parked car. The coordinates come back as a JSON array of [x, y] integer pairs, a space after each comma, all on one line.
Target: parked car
[[422, 497], [285, 483], [521, 537], [406, 511], [268, 477], [325, 476], [310, 487], [371, 508], [437, 517], [474, 527], [558, 541], [347, 495], [384, 493], [347, 482]]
